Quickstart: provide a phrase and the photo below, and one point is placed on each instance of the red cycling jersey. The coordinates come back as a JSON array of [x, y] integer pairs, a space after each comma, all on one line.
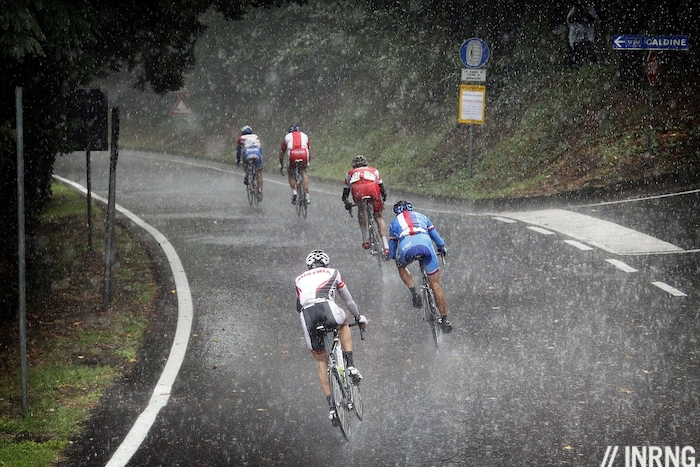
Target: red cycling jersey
[[365, 181]]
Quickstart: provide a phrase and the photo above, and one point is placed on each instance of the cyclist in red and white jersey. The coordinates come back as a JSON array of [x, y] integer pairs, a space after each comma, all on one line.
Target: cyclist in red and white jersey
[[295, 146], [363, 180]]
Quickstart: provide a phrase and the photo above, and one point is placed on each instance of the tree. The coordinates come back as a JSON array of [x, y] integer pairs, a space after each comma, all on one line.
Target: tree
[[52, 48]]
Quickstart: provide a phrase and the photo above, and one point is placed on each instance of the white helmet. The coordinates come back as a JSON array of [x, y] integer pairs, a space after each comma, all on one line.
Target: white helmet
[[316, 259]]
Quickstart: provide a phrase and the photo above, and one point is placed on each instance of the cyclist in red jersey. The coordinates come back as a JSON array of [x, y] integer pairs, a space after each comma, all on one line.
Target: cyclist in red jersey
[[362, 181], [295, 146]]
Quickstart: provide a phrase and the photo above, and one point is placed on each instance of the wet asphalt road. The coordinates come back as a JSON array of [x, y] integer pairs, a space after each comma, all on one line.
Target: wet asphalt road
[[556, 354]]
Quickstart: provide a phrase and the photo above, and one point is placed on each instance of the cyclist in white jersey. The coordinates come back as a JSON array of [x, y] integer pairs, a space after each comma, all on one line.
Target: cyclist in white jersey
[[316, 290]]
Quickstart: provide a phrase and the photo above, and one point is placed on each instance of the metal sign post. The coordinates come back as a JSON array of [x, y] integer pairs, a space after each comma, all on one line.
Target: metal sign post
[[653, 77], [21, 253], [474, 53]]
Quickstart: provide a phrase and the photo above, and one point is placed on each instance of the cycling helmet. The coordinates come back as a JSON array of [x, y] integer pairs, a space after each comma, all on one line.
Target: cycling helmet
[[401, 206], [359, 161], [246, 130], [316, 259], [291, 128], [297, 128]]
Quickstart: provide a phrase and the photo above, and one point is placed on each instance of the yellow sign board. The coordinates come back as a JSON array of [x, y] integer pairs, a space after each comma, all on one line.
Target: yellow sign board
[[472, 100]]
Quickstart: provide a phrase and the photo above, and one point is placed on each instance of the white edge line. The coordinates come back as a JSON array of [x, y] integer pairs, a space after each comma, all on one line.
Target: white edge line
[[161, 393], [672, 290]]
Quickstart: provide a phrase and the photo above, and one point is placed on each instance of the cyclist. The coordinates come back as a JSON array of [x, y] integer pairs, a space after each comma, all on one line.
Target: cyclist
[[363, 180], [316, 290], [249, 149], [295, 146], [410, 234]]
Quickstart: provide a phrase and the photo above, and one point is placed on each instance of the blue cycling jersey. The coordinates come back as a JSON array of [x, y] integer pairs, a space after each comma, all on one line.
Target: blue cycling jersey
[[412, 233]]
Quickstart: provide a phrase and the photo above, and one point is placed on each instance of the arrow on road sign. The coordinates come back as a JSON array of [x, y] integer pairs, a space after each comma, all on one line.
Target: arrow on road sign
[[635, 42]]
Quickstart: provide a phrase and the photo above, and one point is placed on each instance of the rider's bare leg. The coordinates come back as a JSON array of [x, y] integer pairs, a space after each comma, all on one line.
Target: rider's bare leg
[[382, 229], [305, 180], [361, 219], [260, 178], [405, 276], [345, 337], [322, 372], [439, 294]]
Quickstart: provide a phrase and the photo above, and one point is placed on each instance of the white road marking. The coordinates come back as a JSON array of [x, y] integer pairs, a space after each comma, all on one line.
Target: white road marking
[[620, 265], [672, 290], [578, 245], [541, 230], [505, 219], [608, 236], [161, 393]]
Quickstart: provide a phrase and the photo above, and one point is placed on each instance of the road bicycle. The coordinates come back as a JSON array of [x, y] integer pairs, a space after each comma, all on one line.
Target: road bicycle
[[376, 246], [345, 393], [431, 314], [302, 203], [252, 189]]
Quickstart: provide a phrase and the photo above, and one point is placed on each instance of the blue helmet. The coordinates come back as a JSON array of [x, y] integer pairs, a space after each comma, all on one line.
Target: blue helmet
[[401, 206], [246, 130], [294, 128]]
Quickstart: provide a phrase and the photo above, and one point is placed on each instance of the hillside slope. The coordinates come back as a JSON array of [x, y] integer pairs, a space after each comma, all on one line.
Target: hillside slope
[[372, 81]]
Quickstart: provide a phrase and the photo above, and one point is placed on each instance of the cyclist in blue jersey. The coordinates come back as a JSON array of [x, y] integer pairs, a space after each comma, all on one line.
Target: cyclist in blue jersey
[[411, 234], [249, 149]]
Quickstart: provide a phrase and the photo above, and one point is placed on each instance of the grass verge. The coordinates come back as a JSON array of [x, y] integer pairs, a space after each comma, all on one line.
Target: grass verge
[[76, 347]]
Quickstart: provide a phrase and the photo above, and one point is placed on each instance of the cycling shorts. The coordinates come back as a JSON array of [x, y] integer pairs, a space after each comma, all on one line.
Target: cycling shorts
[[326, 313], [298, 154], [253, 155], [367, 188], [414, 245]]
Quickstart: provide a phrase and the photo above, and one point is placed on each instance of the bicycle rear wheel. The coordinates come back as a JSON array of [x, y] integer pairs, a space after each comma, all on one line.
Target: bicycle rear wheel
[[356, 397], [340, 402], [431, 314], [302, 205], [252, 186], [375, 240]]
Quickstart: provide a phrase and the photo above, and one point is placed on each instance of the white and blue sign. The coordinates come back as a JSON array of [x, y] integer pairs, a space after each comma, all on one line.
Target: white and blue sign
[[632, 42], [474, 53]]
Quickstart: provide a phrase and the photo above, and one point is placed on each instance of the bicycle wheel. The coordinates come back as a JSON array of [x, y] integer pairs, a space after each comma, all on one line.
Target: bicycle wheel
[[356, 397], [376, 246], [340, 403], [302, 205], [249, 188], [431, 313], [255, 189]]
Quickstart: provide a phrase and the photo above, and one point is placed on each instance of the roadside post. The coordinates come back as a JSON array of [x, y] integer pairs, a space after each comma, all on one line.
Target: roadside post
[[87, 115], [474, 53], [652, 76], [21, 253], [654, 45]]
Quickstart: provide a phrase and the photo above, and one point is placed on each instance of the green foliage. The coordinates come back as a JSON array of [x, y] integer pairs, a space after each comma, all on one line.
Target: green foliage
[[77, 348]]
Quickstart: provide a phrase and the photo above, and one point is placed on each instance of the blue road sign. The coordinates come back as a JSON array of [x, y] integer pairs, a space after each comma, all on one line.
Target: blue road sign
[[632, 42], [474, 53]]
